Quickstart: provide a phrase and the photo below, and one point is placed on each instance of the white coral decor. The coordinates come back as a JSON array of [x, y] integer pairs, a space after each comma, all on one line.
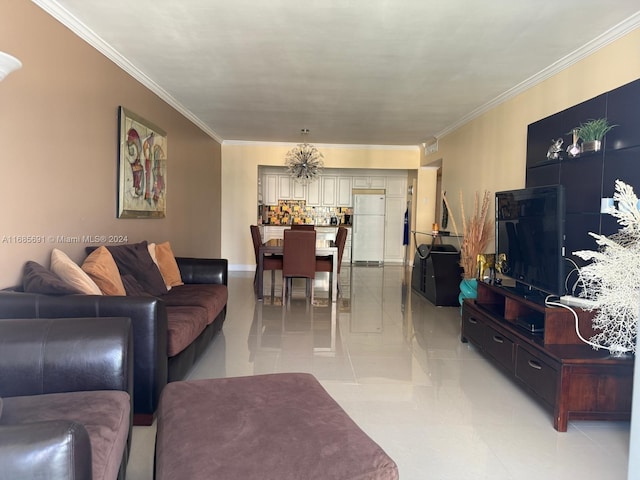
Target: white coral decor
[[612, 279]]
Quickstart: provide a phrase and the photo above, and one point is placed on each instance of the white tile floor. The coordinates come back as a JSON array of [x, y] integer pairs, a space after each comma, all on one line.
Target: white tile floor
[[396, 364]]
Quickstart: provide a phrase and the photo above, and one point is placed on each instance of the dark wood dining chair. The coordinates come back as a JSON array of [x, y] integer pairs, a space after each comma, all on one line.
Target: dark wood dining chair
[[299, 260], [302, 226], [325, 264], [270, 262]]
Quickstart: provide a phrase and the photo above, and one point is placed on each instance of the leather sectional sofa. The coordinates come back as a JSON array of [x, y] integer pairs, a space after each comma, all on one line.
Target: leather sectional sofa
[[65, 397], [170, 331]]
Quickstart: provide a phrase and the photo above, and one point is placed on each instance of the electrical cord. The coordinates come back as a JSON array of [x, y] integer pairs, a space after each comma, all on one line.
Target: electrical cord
[[577, 326]]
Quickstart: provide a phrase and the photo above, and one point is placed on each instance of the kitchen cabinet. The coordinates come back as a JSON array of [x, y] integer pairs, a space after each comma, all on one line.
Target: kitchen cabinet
[[284, 188], [369, 182], [396, 187], [344, 197], [298, 191], [329, 189], [394, 229], [270, 189], [313, 193]]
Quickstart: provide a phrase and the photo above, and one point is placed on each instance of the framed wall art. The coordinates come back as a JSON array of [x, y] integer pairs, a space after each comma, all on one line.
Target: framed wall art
[[142, 167]]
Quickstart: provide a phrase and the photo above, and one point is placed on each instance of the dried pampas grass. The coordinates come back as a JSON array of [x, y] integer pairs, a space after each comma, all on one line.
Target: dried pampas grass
[[477, 231]]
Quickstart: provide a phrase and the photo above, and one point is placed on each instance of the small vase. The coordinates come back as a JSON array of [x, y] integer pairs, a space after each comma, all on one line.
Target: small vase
[[468, 289]]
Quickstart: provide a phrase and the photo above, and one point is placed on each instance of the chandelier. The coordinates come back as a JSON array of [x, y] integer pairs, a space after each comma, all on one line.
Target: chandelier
[[304, 162]]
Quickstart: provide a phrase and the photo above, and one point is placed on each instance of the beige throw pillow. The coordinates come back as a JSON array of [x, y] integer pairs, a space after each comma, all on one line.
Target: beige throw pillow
[[71, 273], [168, 265], [102, 269]]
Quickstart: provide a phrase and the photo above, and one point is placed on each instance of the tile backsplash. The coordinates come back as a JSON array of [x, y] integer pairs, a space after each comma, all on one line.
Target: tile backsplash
[[297, 211]]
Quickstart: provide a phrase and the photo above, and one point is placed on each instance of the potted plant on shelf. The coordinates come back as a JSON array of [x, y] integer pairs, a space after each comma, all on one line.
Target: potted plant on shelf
[[592, 132], [477, 231]]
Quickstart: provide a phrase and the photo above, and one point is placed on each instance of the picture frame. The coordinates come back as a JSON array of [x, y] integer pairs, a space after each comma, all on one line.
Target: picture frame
[[142, 167]]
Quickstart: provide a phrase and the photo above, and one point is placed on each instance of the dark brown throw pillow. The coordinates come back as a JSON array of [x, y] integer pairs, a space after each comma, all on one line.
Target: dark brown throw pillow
[[38, 279], [134, 259], [133, 287]]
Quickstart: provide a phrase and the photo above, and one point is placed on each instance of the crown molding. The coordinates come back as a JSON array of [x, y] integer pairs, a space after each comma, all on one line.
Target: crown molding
[[328, 146], [54, 9], [593, 46]]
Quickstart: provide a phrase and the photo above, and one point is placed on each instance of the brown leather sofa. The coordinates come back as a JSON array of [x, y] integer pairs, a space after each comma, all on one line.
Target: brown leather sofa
[[66, 387], [167, 342]]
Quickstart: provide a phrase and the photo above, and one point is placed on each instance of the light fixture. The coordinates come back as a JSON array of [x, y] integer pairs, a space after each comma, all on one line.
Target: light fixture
[[8, 64], [304, 162]]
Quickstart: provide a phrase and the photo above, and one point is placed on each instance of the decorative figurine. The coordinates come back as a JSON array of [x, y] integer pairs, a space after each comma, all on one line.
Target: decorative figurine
[[554, 150]]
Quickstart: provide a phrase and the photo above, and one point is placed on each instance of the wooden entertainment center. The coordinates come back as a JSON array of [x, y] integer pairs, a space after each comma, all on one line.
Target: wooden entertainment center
[[571, 378]]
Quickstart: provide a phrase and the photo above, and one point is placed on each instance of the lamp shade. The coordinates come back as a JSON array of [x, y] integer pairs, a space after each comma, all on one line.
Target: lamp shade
[[8, 64]]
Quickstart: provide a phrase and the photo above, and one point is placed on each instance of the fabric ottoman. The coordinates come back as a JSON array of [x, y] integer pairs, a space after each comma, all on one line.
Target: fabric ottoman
[[277, 426]]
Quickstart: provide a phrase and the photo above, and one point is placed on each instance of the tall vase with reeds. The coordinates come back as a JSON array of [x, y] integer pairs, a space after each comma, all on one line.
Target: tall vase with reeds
[[477, 231]]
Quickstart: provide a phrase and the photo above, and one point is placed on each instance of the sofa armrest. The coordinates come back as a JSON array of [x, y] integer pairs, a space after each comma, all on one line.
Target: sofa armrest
[[203, 270], [39, 356], [149, 323], [53, 449]]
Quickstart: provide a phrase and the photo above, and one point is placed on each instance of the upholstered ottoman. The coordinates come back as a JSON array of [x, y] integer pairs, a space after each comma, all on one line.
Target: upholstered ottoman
[[278, 426]]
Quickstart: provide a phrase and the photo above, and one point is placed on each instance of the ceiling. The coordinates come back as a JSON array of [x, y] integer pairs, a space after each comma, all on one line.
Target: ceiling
[[372, 72]]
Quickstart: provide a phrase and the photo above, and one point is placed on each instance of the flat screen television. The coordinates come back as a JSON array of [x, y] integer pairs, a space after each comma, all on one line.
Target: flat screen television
[[530, 238]]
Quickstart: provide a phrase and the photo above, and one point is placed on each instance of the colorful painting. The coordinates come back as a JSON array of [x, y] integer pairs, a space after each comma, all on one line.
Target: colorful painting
[[142, 168]]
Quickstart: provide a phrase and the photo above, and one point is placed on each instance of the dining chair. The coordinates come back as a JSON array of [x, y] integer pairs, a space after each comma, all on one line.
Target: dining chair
[[302, 226], [325, 264], [270, 262], [299, 260]]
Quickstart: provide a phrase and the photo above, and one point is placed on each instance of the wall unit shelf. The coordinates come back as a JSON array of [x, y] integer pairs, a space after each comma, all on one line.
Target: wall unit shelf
[[569, 377]]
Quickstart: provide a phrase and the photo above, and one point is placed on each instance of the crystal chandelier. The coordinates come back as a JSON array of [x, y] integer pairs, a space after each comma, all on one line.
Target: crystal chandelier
[[304, 162]]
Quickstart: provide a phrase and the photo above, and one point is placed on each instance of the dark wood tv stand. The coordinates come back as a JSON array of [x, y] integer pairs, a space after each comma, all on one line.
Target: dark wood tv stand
[[555, 366]]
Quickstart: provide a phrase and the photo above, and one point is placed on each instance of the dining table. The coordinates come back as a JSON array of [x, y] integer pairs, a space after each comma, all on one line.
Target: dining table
[[275, 246]]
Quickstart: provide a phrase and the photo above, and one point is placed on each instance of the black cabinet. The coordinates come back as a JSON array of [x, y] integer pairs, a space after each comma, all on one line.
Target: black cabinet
[[437, 274], [591, 176]]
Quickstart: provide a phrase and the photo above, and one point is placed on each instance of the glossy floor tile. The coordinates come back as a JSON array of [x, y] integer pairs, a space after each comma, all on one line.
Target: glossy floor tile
[[395, 363]]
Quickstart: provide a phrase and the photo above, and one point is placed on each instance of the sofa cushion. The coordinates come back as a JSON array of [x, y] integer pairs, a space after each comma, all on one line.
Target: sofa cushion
[[211, 297], [102, 269], [104, 414], [135, 259], [71, 273], [168, 265], [184, 324], [38, 279]]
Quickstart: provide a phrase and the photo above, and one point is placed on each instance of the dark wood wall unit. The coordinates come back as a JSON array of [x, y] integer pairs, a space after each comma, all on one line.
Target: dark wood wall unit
[[591, 176]]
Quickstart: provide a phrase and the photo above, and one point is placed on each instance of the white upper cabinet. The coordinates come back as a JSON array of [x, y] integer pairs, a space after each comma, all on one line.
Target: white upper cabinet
[[378, 182], [344, 192], [299, 191], [329, 190], [284, 188], [369, 182], [270, 189], [396, 186], [313, 193]]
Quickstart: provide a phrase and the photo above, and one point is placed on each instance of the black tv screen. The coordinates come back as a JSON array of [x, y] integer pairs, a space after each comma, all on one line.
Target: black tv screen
[[530, 237]]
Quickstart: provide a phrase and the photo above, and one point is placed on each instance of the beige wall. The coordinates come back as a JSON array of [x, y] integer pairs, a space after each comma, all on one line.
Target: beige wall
[[240, 162], [58, 131], [490, 151]]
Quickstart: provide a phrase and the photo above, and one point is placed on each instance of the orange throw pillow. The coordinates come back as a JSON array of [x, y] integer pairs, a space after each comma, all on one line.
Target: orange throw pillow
[[102, 269], [168, 265]]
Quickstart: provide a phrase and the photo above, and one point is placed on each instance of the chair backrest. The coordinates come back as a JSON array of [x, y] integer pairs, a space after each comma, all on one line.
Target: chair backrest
[[341, 240], [299, 254], [300, 226], [257, 240]]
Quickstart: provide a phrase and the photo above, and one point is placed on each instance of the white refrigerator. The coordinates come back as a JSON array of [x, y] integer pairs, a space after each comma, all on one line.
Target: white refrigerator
[[367, 241]]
